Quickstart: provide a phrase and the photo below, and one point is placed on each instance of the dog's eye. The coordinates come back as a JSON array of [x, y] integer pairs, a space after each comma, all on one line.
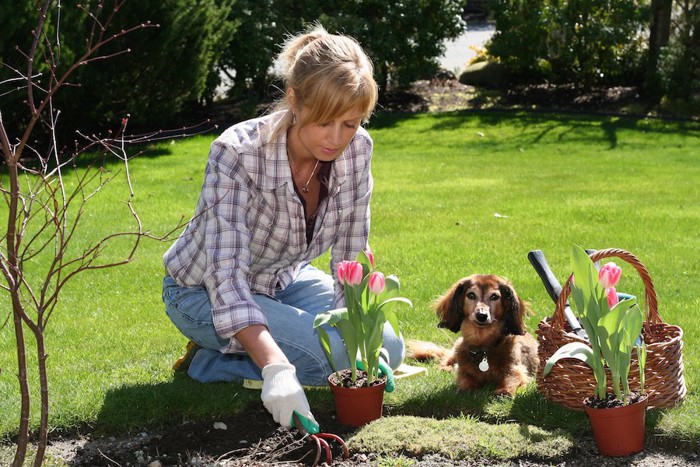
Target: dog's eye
[[494, 297], [471, 295]]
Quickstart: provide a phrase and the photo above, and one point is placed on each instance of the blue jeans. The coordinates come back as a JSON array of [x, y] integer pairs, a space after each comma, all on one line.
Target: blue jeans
[[290, 316]]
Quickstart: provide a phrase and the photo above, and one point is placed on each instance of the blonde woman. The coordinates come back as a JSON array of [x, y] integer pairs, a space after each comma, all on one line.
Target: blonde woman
[[279, 191]]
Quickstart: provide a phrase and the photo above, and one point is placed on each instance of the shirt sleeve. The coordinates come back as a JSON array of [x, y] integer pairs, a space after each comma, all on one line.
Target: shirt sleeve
[[225, 197]]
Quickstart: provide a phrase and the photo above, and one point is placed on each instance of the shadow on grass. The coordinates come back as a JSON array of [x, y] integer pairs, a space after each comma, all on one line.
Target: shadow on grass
[[128, 407], [542, 122]]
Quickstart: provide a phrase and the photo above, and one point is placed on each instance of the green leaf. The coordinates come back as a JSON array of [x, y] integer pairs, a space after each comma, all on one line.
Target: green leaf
[[331, 317], [326, 345], [577, 350], [642, 361]]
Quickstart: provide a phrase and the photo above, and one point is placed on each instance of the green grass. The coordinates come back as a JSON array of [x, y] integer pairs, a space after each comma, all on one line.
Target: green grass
[[455, 194]]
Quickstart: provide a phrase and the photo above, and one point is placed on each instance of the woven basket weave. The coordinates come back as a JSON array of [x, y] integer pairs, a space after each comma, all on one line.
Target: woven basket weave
[[571, 380]]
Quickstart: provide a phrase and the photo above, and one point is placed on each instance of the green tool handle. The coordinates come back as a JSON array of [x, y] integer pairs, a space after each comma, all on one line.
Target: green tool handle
[[304, 424], [384, 370]]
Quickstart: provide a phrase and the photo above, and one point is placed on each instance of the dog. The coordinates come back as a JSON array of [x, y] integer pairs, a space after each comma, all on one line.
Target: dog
[[494, 346]]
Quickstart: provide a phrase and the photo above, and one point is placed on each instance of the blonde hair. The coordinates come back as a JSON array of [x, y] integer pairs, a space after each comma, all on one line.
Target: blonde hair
[[329, 74]]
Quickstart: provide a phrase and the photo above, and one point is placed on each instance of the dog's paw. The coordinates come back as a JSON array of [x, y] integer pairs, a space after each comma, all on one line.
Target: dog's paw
[[504, 393]]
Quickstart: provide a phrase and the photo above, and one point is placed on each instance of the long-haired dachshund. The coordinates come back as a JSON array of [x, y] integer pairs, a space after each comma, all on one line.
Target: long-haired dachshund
[[494, 347]]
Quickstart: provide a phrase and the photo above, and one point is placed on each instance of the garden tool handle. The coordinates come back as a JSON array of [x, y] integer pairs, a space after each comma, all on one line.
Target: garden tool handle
[[304, 424]]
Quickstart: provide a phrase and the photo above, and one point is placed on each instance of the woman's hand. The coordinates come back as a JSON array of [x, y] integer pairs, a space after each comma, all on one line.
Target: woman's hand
[[281, 393]]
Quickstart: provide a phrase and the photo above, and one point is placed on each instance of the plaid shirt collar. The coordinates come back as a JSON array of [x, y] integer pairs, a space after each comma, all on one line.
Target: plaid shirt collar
[[279, 171]]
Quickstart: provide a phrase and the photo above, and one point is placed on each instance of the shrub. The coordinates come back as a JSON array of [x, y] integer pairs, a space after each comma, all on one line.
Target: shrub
[[587, 42], [166, 67], [403, 39]]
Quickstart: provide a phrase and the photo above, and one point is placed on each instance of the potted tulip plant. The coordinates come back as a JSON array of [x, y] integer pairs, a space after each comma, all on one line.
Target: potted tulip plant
[[368, 294], [614, 330]]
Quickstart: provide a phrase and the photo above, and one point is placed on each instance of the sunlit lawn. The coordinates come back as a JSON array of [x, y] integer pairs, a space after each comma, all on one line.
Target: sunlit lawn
[[455, 194]]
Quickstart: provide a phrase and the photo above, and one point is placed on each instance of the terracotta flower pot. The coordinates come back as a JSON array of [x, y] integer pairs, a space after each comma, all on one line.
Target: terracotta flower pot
[[357, 406], [618, 431]]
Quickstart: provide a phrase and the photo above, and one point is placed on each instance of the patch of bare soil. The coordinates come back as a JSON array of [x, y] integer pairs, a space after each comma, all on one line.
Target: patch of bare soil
[[253, 439], [444, 95]]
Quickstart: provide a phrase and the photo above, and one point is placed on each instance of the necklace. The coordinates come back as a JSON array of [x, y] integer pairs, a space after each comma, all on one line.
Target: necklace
[[305, 186]]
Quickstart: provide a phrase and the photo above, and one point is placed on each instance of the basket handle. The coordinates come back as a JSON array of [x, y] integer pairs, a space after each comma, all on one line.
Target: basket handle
[[650, 303]]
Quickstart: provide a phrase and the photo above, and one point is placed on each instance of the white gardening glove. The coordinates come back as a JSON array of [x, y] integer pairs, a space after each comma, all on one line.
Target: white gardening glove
[[282, 394]]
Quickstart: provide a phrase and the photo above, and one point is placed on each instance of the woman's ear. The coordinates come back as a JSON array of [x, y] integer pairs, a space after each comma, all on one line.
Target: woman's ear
[[291, 99]]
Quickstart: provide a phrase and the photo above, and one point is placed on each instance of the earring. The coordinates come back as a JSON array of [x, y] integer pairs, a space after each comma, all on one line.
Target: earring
[[294, 119]]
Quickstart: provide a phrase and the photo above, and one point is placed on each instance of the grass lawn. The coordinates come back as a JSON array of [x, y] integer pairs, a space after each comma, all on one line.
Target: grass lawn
[[455, 194]]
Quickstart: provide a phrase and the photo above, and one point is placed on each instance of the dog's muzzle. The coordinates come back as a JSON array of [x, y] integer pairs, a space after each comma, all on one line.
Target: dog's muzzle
[[482, 317]]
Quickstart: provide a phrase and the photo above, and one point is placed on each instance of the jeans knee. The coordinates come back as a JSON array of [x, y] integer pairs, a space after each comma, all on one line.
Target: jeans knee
[[395, 347], [313, 371]]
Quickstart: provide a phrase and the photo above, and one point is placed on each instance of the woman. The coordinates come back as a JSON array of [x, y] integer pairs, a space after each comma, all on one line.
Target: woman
[[279, 191]]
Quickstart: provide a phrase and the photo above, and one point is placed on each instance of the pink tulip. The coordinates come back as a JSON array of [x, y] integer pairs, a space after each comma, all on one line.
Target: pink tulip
[[609, 275], [350, 272], [612, 297], [370, 256], [342, 268], [376, 283]]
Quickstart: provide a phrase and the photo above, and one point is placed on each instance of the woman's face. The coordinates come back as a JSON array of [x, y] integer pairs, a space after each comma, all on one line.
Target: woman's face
[[324, 141]]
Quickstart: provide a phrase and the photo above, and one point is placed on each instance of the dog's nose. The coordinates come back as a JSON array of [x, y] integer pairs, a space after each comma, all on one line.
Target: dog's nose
[[482, 316]]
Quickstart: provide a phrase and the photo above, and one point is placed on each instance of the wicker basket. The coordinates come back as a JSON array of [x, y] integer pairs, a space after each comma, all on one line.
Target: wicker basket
[[571, 380]]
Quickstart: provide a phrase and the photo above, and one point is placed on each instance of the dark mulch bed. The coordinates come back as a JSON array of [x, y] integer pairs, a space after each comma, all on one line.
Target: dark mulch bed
[[252, 439]]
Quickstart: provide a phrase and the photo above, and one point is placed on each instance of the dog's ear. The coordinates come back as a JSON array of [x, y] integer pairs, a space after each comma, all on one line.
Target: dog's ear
[[514, 310], [450, 307]]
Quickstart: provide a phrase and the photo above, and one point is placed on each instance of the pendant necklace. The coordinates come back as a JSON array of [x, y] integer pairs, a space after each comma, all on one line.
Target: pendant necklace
[[305, 187]]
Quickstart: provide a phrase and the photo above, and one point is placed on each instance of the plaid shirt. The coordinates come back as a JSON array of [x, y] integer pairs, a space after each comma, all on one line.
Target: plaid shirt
[[248, 233]]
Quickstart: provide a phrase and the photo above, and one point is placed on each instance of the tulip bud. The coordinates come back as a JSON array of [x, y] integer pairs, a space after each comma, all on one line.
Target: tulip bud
[[342, 271], [612, 297], [609, 275], [353, 273], [370, 256], [376, 283]]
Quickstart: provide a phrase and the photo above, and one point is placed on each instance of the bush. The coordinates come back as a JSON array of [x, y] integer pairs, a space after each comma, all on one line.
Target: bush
[[586, 42], [403, 39], [165, 68], [261, 26]]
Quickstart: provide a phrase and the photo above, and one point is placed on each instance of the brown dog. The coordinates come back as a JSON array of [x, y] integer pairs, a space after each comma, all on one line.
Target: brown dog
[[494, 346]]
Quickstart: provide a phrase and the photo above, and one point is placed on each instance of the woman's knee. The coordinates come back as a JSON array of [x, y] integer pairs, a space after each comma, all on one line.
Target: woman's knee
[[190, 311], [394, 346]]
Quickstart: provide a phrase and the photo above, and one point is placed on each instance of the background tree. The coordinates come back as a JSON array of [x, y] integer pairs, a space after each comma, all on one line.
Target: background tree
[[678, 67]]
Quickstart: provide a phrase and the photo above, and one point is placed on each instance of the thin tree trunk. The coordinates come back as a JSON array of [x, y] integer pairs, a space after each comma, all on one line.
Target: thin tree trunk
[[660, 26], [44, 387], [659, 35], [17, 313]]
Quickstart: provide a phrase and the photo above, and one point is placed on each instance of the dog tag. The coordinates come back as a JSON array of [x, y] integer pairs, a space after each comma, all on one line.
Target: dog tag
[[484, 365]]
